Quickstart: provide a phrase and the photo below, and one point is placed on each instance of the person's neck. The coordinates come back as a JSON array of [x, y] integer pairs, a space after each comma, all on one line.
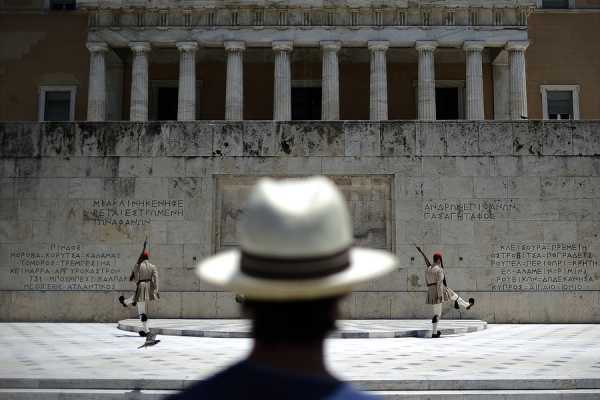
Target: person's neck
[[305, 359]]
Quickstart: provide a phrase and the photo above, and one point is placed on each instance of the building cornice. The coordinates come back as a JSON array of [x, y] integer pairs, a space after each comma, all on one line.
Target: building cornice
[[307, 18], [453, 37], [568, 11], [382, 4]]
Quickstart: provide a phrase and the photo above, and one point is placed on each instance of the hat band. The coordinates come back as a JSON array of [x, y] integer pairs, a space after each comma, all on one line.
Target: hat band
[[294, 268]]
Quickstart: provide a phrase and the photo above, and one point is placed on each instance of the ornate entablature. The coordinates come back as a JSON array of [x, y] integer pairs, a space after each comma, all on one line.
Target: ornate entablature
[[191, 14]]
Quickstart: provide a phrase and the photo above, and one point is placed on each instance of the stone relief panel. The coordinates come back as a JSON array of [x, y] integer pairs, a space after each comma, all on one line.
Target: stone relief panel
[[369, 200]]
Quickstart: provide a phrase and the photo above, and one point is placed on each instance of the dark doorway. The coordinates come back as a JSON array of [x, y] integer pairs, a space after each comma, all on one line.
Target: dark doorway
[[446, 103], [306, 103], [167, 104]]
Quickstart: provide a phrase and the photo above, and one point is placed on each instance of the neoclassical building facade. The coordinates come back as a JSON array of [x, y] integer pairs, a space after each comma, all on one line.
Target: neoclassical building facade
[[308, 60]]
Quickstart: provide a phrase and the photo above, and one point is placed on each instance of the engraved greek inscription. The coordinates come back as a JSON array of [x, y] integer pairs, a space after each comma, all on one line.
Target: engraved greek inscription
[[468, 209], [542, 267], [64, 267], [133, 212]]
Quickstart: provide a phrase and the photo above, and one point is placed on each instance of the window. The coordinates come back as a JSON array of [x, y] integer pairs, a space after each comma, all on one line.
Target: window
[[449, 17], [259, 17], [331, 18], [523, 15], [187, 18], [401, 18], [555, 4], [306, 20], [210, 18], [560, 101], [139, 19], [355, 15], [62, 5], [426, 17], [163, 18], [56, 103], [498, 14], [93, 19], [379, 17], [116, 19], [283, 17], [473, 17]]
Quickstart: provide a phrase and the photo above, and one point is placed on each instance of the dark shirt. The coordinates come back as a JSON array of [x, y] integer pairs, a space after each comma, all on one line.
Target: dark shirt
[[246, 380]]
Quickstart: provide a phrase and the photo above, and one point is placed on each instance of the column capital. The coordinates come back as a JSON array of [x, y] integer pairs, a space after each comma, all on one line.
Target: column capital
[[520, 45], [330, 45], [187, 46], [378, 45], [139, 47], [474, 45], [96, 47], [235, 45], [425, 45], [283, 45]]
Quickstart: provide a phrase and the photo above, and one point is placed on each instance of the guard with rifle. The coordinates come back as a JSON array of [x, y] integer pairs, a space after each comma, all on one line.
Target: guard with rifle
[[438, 291], [145, 276]]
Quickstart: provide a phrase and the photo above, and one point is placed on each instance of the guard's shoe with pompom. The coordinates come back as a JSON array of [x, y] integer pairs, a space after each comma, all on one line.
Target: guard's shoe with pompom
[[471, 303]]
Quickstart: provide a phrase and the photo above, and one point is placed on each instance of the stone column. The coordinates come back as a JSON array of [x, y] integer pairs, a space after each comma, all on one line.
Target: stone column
[[474, 80], [426, 85], [501, 86], [139, 81], [283, 81], [186, 102], [378, 106], [234, 94], [518, 82], [97, 82], [330, 100]]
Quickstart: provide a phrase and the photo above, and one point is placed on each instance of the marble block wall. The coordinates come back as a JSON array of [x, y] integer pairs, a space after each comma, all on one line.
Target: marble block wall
[[513, 206]]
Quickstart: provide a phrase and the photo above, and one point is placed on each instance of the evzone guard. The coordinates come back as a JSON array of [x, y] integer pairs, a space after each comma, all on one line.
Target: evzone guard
[[438, 291], [145, 275]]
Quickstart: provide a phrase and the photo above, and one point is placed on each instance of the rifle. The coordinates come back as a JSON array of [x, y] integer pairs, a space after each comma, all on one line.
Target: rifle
[[429, 263]]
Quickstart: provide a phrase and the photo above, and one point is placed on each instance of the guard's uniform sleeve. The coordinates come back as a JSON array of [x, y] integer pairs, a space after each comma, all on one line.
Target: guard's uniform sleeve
[[154, 280], [440, 282]]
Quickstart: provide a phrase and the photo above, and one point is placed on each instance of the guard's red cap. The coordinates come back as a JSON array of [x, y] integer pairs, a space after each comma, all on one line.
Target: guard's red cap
[[146, 254], [437, 254]]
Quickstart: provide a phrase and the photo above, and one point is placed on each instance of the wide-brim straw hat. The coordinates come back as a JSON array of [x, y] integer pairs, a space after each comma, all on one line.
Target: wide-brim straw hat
[[295, 244]]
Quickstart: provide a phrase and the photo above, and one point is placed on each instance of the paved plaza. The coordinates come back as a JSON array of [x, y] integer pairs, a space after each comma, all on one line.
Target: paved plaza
[[239, 328], [62, 360]]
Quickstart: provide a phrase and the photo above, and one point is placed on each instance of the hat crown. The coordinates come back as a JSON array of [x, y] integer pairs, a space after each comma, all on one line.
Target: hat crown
[[296, 218]]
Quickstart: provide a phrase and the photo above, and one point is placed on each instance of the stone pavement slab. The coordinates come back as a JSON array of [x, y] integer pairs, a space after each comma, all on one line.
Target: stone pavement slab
[[239, 328], [504, 358]]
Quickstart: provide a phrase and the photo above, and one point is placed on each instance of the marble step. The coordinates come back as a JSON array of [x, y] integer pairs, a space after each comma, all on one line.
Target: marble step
[[374, 385], [127, 394], [347, 329]]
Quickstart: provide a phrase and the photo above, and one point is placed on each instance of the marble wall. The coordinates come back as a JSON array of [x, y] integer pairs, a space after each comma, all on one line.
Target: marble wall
[[514, 207]]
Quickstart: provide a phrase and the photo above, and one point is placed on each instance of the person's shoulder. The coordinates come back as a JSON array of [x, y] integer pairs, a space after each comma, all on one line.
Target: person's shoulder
[[347, 392], [213, 387]]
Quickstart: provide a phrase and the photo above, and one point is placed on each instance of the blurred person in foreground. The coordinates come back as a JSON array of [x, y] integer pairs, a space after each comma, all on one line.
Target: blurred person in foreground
[[295, 263]]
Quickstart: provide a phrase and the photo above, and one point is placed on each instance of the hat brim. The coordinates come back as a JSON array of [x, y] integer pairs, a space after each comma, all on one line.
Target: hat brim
[[223, 270]]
